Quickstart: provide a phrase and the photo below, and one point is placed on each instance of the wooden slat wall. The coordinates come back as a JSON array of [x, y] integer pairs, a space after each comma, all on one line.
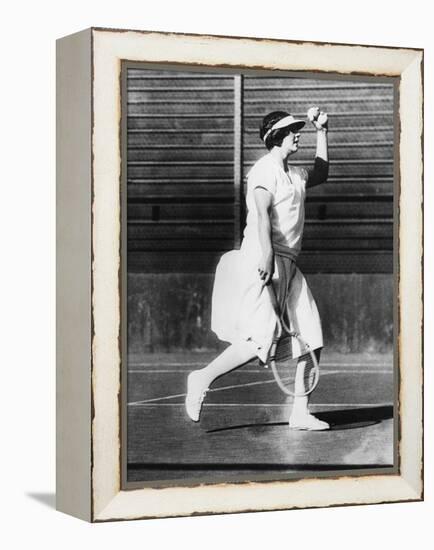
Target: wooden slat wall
[[180, 172], [182, 201]]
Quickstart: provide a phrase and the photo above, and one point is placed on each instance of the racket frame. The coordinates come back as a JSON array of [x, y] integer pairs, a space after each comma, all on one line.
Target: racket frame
[[281, 326]]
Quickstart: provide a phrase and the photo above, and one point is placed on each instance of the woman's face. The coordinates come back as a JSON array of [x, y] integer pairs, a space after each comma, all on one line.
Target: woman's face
[[290, 143]]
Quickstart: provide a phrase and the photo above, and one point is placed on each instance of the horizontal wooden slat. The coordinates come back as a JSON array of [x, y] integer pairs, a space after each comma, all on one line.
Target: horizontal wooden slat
[[178, 139], [327, 99], [345, 210], [181, 245], [314, 211], [217, 97], [331, 179], [329, 229], [206, 162], [176, 199], [178, 124], [368, 121], [196, 86], [309, 262], [180, 190], [255, 84], [177, 171], [339, 156], [175, 80], [186, 162], [181, 110], [189, 231], [347, 244], [210, 154], [314, 229], [252, 132], [299, 102], [210, 125], [168, 148], [172, 73], [225, 170], [167, 115], [181, 180], [334, 106], [192, 84], [336, 136], [223, 244], [365, 189], [181, 211], [172, 114], [171, 193]]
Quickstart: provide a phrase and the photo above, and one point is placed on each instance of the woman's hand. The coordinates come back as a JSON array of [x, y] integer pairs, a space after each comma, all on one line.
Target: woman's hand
[[318, 118], [266, 269]]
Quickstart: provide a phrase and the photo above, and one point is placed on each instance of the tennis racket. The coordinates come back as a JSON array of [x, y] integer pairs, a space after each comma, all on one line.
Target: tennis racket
[[294, 376]]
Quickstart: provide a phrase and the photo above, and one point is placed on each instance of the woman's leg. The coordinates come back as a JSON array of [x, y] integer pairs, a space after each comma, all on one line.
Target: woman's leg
[[200, 380], [300, 416], [231, 358]]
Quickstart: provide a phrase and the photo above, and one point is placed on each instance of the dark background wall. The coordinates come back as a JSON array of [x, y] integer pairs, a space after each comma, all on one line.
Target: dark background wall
[[191, 139]]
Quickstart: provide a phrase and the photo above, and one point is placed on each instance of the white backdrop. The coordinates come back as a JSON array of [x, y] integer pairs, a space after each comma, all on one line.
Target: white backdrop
[[27, 399]]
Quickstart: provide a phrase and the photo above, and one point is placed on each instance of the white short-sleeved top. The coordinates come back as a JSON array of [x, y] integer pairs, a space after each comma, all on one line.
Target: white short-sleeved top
[[287, 214]]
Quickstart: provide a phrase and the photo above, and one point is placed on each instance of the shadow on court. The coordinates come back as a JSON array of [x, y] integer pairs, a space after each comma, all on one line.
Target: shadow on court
[[356, 418], [244, 423], [338, 420]]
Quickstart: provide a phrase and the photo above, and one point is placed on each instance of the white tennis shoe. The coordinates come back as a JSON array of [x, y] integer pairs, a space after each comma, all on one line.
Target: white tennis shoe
[[307, 422], [195, 395]]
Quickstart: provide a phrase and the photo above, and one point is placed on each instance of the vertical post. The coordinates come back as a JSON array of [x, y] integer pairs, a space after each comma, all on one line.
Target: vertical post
[[238, 160]]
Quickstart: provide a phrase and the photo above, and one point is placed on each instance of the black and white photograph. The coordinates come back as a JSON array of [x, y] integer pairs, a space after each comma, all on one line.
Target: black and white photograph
[[259, 260], [216, 283]]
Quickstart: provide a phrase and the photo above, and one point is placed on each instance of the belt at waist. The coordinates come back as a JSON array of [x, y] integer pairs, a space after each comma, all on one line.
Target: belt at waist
[[285, 251]]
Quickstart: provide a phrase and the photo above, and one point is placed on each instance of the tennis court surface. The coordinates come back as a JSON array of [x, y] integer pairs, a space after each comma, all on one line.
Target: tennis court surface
[[243, 431]]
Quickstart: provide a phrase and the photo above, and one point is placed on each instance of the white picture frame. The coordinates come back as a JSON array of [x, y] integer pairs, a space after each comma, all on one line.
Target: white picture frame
[[89, 280]]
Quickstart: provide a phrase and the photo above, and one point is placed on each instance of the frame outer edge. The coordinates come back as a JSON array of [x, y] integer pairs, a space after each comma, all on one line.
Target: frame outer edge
[[73, 275]]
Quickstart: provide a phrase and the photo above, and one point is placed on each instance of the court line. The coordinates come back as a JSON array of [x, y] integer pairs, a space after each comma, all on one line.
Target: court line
[[311, 405], [264, 369], [173, 396], [234, 386], [323, 364]]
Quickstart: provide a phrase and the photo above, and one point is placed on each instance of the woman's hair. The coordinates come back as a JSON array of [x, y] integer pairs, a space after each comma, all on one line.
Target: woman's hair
[[275, 137]]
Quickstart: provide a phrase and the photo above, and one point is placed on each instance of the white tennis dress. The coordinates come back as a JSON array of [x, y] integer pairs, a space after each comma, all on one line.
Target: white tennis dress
[[241, 305]]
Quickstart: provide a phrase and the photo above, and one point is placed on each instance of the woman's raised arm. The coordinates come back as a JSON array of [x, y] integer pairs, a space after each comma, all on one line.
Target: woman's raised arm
[[319, 173]]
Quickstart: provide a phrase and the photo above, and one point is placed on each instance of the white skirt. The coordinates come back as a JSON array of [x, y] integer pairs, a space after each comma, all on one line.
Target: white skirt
[[242, 309]]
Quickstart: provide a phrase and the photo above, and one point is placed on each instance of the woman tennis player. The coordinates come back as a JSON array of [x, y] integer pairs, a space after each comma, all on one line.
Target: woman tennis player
[[242, 310]]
